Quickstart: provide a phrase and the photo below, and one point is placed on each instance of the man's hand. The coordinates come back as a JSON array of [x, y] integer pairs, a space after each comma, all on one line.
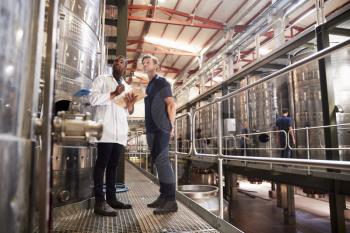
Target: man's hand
[[130, 99], [118, 90]]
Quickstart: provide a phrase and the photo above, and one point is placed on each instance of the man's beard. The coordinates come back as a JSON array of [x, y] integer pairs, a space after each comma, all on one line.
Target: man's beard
[[117, 74]]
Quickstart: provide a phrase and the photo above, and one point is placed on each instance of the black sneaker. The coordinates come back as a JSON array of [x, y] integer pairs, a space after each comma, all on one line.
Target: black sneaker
[[167, 207], [157, 203], [101, 208], [118, 205]]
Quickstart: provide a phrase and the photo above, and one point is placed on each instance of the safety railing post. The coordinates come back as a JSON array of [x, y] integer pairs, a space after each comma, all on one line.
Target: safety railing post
[[175, 139], [308, 148], [270, 145]]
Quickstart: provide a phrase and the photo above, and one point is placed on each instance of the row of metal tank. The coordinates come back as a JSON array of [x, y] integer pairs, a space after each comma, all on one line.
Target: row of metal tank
[[256, 110]]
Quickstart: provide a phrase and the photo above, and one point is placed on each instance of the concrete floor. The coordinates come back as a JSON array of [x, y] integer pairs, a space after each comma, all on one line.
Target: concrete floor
[[261, 215]]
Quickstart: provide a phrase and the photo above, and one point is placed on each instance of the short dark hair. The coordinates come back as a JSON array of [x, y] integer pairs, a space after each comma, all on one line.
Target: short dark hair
[[119, 57], [154, 59], [285, 110]]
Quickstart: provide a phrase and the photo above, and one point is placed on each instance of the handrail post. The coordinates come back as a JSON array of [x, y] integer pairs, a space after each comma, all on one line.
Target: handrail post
[[270, 145], [175, 166], [221, 188], [308, 149]]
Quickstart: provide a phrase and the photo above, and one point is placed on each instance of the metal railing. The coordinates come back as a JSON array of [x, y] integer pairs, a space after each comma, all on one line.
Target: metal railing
[[194, 150]]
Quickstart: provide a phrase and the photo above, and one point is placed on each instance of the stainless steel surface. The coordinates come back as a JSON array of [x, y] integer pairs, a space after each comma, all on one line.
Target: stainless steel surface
[[138, 219], [339, 68], [307, 106], [221, 189], [78, 47], [75, 128], [20, 25], [48, 76], [316, 56], [198, 191], [16, 172]]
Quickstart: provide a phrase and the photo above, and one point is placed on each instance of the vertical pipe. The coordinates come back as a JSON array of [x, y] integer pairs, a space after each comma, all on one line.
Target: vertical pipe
[[221, 188], [103, 38], [49, 76], [270, 145], [175, 167], [219, 122], [138, 151], [308, 148]]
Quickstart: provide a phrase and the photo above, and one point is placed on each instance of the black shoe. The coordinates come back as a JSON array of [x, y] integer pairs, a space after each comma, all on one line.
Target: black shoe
[[157, 203], [168, 207], [101, 208], [118, 205]]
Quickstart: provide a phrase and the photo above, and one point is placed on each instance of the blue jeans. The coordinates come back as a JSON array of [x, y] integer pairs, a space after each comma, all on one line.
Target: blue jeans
[[285, 153], [158, 143]]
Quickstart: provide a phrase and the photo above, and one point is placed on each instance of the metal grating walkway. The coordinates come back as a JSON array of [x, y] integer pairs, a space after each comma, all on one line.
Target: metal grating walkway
[[140, 219]]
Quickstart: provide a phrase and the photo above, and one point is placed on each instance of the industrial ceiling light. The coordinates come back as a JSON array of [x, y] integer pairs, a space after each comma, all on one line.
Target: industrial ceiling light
[[172, 44], [263, 51]]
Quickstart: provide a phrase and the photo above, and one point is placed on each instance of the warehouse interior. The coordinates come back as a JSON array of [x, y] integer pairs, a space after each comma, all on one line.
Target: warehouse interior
[[233, 67]]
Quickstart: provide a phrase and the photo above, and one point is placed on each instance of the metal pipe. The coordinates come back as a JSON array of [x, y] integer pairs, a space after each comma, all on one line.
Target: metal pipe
[[316, 56], [194, 136], [176, 149], [303, 162], [219, 122], [221, 187], [308, 149], [221, 190], [191, 137], [49, 76]]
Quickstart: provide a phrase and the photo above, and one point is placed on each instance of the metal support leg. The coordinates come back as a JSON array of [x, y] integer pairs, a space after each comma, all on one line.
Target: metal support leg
[[278, 195], [49, 75], [337, 207], [221, 190], [287, 193]]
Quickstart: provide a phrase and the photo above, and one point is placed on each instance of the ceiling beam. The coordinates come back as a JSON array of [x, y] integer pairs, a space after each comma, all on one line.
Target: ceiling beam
[[162, 69], [170, 52], [175, 22], [168, 11], [217, 31], [182, 28]]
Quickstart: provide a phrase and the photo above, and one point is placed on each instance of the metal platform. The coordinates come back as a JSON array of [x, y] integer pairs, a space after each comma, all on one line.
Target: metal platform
[[76, 218]]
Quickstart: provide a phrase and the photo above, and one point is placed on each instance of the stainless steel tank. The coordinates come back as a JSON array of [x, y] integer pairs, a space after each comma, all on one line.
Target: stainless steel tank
[[20, 24], [78, 47], [339, 70], [72, 170], [307, 106], [76, 66], [206, 196], [259, 108]]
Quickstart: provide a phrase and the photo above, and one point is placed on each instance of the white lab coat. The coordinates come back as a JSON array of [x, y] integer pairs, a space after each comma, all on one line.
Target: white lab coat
[[113, 117]]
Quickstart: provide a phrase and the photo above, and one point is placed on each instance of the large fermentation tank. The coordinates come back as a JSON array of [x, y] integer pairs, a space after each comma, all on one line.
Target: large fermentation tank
[[19, 24], [258, 108], [307, 106], [339, 73], [77, 65]]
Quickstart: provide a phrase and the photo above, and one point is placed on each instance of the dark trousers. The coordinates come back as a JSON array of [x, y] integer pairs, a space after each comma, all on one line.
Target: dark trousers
[[285, 153], [107, 160], [158, 144]]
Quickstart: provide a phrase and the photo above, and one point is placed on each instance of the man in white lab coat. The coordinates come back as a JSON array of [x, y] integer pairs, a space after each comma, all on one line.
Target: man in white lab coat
[[106, 90]]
